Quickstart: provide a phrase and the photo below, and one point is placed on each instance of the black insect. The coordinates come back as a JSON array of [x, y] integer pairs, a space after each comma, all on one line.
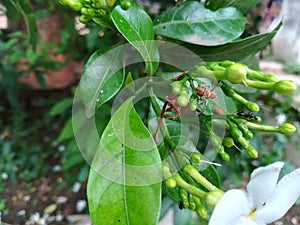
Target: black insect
[[180, 205], [248, 116]]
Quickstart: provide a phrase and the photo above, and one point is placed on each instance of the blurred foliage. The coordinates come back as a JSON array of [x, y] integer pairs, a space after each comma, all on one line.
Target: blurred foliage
[[292, 67]]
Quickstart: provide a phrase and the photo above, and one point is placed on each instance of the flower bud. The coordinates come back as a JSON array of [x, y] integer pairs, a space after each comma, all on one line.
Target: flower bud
[[252, 106], [236, 73], [225, 156], [192, 204], [170, 183], [251, 151], [201, 211], [196, 157], [186, 203], [84, 19], [215, 140], [228, 142], [184, 90], [125, 5], [193, 104], [176, 87], [183, 194], [243, 141], [183, 100], [110, 3], [213, 197], [284, 87], [287, 128], [98, 3], [75, 5], [88, 12]]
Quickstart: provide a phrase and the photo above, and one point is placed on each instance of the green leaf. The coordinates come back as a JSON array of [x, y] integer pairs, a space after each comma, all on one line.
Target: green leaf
[[25, 9], [60, 107], [101, 72], [112, 85], [124, 185], [236, 50], [66, 132], [242, 5], [129, 82], [211, 174], [137, 28], [11, 10], [193, 23]]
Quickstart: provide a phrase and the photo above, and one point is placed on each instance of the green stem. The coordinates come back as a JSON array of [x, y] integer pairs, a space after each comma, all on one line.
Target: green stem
[[240, 99], [260, 84], [261, 127], [219, 75], [163, 127], [259, 75], [189, 188], [189, 169]]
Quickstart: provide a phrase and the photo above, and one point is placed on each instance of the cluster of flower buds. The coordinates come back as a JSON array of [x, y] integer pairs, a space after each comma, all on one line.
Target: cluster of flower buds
[[189, 94], [238, 126], [95, 9], [238, 73], [194, 191]]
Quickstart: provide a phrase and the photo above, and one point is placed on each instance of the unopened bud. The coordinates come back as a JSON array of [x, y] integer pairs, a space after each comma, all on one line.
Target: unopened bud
[[252, 106], [287, 128], [284, 87], [228, 142], [236, 73], [251, 151]]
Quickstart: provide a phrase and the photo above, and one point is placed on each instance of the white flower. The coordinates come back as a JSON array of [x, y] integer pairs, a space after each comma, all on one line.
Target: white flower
[[264, 202]]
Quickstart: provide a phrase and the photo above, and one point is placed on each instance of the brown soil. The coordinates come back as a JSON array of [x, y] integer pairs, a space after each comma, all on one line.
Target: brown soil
[[35, 197]]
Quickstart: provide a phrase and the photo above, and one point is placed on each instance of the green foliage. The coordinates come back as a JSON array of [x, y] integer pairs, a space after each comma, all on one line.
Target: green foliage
[[292, 68], [152, 127], [192, 23], [116, 201]]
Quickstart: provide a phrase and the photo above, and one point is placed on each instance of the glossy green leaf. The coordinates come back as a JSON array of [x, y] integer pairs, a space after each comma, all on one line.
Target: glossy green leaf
[[193, 23], [241, 5], [236, 50], [102, 78], [137, 28], [111, 86], [124, 185]]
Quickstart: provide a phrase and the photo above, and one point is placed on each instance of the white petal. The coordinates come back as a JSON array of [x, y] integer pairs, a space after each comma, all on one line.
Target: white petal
[[230, 208], [263, 181], [246, 221], [282, 199]]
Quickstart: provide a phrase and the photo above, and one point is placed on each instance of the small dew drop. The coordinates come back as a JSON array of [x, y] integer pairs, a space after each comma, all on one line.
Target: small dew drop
[[97, 100], [101, 92]]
